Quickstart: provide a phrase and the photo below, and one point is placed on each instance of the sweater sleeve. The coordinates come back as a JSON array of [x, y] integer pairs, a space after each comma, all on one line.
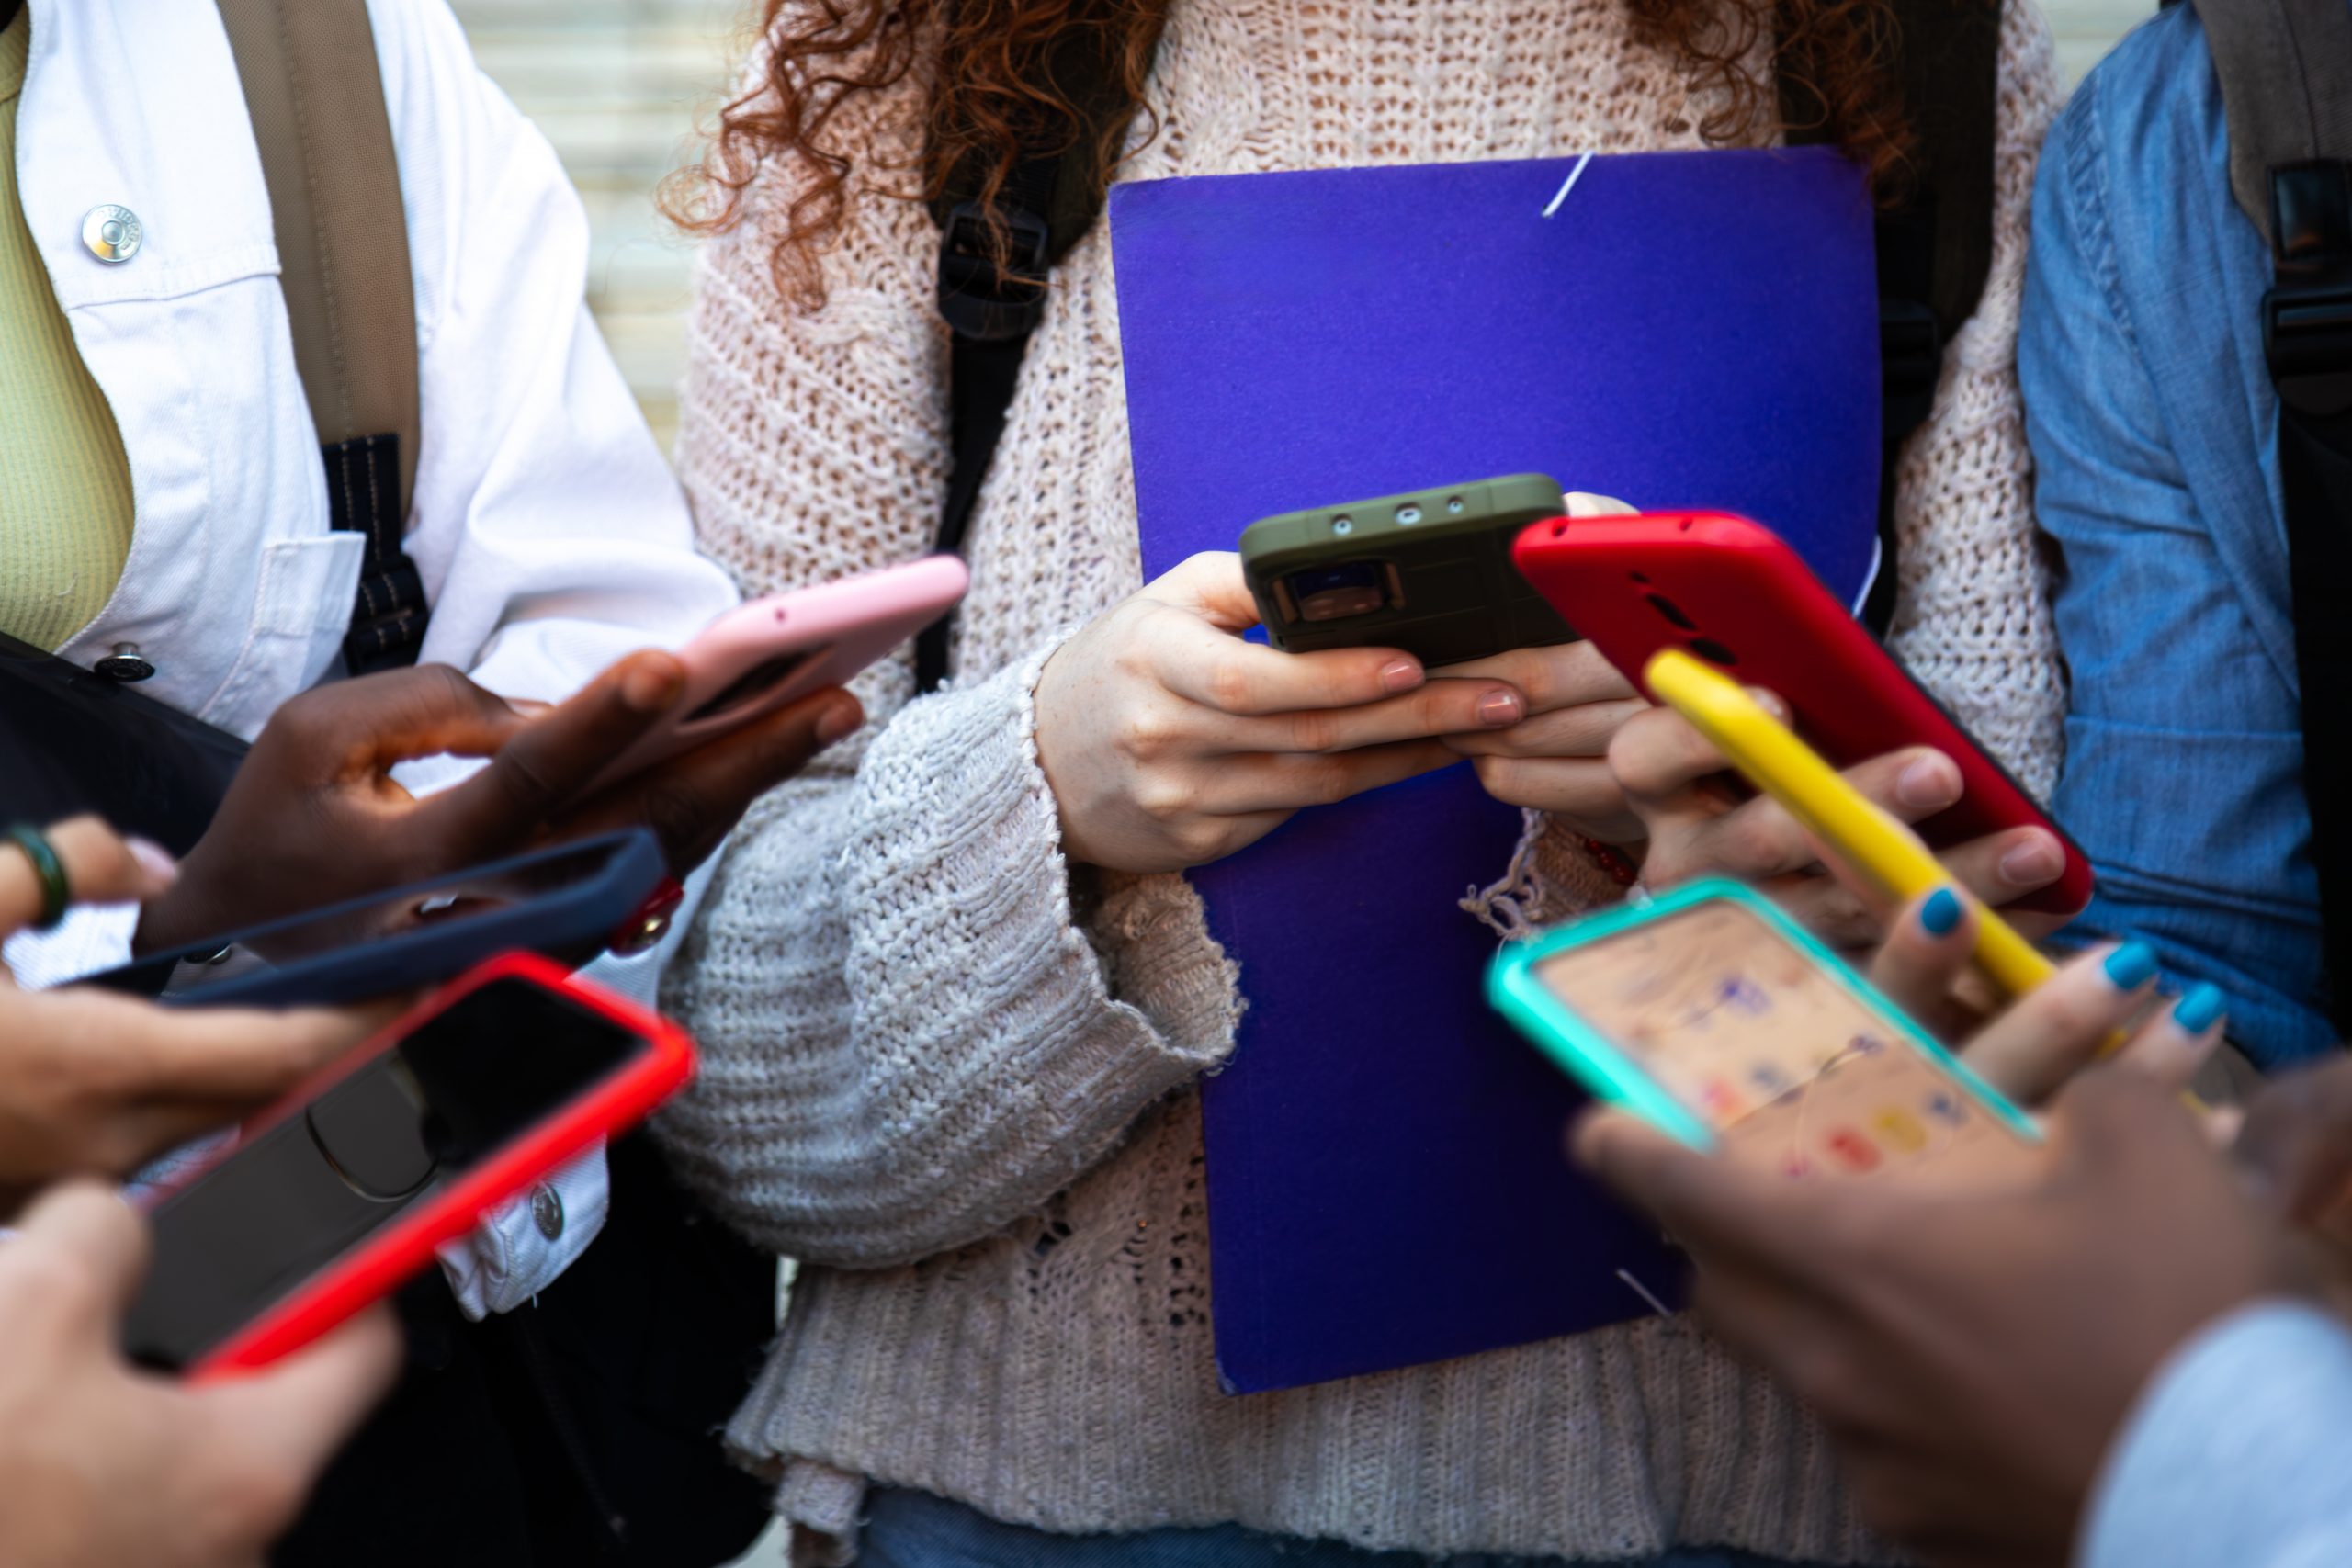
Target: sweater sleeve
[[909, 1039], [1973, 618]]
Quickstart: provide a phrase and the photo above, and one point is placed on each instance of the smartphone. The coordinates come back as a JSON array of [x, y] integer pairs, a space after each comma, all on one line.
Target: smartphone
[[341, 1191], [570, 903], [1717, 1019], [76, 741], [1729, 591], [768, 654], [1429, 573], [1773, 759]]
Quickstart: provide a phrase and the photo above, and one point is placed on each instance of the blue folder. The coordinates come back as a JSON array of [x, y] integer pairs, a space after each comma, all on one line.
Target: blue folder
[[1385, 1183]]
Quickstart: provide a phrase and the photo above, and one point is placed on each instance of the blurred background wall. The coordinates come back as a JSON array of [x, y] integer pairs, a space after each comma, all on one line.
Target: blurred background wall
[[618, 84]]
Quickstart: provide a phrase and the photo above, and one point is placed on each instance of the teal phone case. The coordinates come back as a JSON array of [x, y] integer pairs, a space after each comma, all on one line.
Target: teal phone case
[[1594, 1061], [1428, 571]]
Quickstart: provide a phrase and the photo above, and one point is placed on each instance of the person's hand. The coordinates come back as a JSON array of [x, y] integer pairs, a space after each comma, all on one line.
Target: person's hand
[[96, 1083], [1972, 1352], [2294, 1146], [1698, 826], [1169, 741], [314, 815], [1555, 760], [103, 1464]]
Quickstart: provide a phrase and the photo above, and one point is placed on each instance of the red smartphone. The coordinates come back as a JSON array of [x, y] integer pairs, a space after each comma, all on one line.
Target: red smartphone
[[332, 1198], [772, 651], [1732, 594]]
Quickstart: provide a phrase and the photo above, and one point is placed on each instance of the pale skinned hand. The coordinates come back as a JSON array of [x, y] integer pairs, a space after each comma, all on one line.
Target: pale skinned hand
[[103, 1464], [1555, 760], [1169, 741], [1697, 825], [315, 817], [98, 1083]]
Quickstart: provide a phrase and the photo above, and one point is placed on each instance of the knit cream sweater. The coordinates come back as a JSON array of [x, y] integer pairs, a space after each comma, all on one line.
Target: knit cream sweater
[[964, 1101]]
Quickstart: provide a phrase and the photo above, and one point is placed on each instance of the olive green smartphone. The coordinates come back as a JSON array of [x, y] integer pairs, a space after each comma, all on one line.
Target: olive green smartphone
[[1428, 573]]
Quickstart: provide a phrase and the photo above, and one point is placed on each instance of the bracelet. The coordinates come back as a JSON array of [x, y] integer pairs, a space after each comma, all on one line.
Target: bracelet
[[56, 893]]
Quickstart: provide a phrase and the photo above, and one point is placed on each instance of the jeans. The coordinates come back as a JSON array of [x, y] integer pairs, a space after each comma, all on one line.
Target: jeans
[[915, 1529]]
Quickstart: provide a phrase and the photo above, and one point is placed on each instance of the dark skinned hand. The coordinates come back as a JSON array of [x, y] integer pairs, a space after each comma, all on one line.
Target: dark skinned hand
[[1972, 1352], [314, 815]]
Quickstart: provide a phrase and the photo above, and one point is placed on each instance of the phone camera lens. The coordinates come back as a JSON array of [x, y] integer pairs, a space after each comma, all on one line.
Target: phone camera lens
[[1409, 515], [1343, 524], [1453, 506]]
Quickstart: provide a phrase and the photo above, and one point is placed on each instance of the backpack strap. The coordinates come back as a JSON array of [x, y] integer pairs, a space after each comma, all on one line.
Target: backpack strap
[[316, 97], [2285, 67], [996, 262], [1935, 249]]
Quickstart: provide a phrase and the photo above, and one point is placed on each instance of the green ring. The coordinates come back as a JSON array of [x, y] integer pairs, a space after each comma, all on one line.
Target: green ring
[[56, 893]]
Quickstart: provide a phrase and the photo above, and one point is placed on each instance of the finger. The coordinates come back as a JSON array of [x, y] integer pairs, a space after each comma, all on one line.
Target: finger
[[366, 725], [1286, 781], [1723, 1213], [100, 866], [1592, 503], [2054, 1031], [2297, 1139], [1563, 675], [1583, 792], [544, 763], [693, 801], [146, 1053], [90, 1224], [1212, 585], [2002, 867], [1203, 664], [1441, 707], [1584, 730], [1761, 839], [1925, 950], [1658, 755], [289, 1419], [2170, 1046]]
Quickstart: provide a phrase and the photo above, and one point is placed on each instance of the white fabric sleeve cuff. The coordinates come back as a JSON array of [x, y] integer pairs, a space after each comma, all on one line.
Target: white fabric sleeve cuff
[[91, 939], [2239, 1454], [526, 1244]]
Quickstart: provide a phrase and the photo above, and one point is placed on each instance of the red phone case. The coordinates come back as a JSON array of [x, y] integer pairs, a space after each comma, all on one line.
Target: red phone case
[[386, 1259], [1732, 594]]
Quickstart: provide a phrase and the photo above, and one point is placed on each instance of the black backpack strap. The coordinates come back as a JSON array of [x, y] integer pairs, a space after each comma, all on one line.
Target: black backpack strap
[[996, 261], [2285, 67], [316, 98], [1935, 249]]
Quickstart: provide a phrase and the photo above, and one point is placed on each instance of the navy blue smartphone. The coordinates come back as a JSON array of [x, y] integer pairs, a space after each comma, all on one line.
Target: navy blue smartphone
[[568, 903]]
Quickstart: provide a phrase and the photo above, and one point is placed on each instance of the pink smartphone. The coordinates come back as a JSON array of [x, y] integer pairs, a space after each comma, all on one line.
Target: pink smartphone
[[771, 652]]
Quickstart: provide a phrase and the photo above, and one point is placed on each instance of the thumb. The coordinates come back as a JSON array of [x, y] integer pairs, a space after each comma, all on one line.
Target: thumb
[[1586, 504], [1210, 584], [287, 1420]]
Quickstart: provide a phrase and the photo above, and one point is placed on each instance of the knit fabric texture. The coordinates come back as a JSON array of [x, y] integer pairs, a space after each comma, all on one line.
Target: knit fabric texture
[[954, 1079]]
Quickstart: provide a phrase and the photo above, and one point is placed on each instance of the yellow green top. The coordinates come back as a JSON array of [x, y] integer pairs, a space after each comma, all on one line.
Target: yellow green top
[[65, 506]]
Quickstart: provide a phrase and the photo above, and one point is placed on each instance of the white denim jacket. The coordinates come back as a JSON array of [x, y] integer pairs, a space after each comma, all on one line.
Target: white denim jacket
[[549, 533]]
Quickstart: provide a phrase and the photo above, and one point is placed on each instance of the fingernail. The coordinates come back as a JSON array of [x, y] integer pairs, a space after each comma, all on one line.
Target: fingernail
[[838, 720], [2200, 1008], [154, 859], [1928, 782], [1400, 676], [2131, 966], [650, 685], [1497, 709], [2032, 863], [1940, 914]]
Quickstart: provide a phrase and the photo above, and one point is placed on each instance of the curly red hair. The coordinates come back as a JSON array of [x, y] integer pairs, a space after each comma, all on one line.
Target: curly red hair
[[990, 95]]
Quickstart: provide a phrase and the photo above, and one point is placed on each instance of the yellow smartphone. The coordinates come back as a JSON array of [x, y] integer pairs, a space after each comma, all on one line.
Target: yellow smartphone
[[1773, 759]]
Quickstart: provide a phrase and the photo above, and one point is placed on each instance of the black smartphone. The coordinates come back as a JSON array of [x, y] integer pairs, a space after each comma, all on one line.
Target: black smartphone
[[568, 903], [77, 742]]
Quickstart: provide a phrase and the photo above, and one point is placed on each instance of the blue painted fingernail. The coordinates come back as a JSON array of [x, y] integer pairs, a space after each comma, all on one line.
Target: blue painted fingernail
[[2198, 1008], [1940, 914], [2131, 966]]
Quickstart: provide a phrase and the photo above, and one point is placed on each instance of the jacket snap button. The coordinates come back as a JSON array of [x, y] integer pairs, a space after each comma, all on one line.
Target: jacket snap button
[[547, 1211], [124, 664], [112, 234]]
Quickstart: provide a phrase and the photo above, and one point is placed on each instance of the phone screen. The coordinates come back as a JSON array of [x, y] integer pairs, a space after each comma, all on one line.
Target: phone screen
[[1776, 1055], [468, 895], [307, 1190]]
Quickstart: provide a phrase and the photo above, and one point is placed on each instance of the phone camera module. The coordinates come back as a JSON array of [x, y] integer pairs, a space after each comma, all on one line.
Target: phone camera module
[[1337, 593], [1409, 515], [1343, 524]]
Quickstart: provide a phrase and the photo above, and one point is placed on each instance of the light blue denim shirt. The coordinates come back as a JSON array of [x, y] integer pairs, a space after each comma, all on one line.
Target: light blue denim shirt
[[2155, 434]]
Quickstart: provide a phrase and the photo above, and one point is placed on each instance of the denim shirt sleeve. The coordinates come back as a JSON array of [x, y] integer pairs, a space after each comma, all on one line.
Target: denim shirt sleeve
[[2155, 479]]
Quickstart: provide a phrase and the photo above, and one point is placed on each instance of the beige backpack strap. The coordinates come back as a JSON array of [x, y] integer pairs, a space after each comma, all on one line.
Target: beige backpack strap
[[316, 96], [2286, 72]]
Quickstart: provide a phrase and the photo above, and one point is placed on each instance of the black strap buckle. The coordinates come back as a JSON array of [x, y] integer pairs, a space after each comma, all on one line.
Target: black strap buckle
[[980, 299], [2306, 314]]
